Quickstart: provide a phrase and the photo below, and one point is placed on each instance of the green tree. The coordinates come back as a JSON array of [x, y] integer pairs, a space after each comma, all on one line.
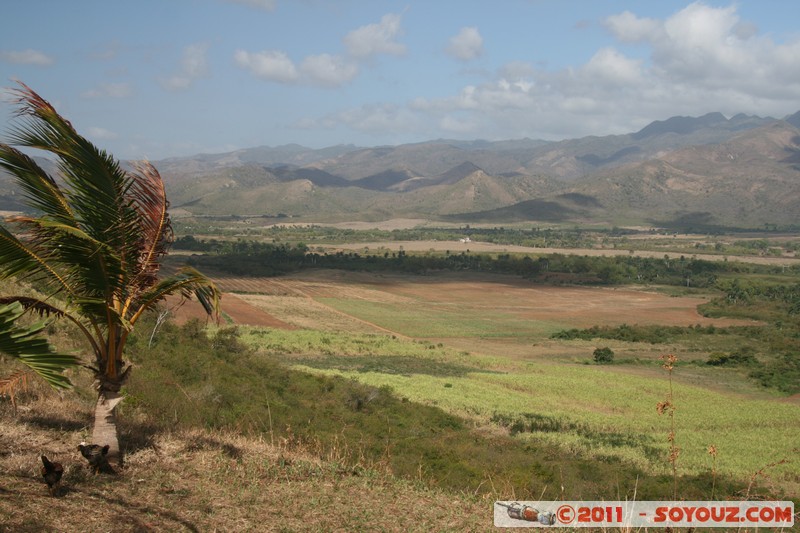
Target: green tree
[[92, 245]]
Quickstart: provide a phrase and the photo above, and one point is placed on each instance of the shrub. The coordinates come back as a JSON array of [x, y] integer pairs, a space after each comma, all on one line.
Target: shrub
[[742, 357], [603, 356]]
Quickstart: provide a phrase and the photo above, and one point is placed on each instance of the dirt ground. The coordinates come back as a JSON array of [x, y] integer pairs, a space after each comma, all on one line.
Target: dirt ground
[[581, 306], [578, 306], [233, 308]]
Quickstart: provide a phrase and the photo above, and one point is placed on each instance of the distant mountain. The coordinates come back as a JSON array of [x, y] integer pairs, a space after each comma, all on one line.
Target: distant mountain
[[569, 159], [751, 179], [695, 172], [681, 125], [794, 120], [293, 155], [575, 159], [566, 207], [698, 172]]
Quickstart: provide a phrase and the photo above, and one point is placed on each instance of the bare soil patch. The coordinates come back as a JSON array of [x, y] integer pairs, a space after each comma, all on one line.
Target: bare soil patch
[[233, 307], [581, 306], [293, 301]]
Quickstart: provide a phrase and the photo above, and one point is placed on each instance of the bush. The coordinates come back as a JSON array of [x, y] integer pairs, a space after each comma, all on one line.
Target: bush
[[603, 356], [743, 357]]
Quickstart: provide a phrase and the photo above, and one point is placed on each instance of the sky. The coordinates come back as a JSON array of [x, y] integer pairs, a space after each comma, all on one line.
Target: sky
[[151, 79]]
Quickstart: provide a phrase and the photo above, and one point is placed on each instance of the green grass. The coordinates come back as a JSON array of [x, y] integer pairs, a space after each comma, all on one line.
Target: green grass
[[605, 404], [598, 413], [186, 380], [429, 320]]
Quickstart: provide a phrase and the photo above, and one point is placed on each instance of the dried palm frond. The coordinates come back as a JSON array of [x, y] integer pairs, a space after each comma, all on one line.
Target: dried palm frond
[[12, 385]]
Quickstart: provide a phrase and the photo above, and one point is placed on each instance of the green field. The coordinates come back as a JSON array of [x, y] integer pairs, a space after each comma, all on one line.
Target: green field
[[487, 362]]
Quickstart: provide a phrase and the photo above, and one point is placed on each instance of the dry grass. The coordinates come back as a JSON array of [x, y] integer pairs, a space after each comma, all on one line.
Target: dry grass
[[203, 481]]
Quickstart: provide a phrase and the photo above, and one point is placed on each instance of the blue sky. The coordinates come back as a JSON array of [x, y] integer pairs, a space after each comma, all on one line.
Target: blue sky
[[159, 78]]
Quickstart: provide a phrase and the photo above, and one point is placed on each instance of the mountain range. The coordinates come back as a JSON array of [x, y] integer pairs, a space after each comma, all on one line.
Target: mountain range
[[688, 172]]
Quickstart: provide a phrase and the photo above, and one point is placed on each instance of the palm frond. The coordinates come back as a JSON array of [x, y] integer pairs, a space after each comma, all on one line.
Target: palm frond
[[101, 235], [150, 200], [187, 282], [20, 259], [41, 191], [45, 309], [96, 187], [24, 344], [14, 384], [34, 305], [91, 266]]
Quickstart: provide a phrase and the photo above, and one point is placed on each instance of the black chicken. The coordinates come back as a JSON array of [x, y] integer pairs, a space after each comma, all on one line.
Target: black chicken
[[52, 472], [96, 455]]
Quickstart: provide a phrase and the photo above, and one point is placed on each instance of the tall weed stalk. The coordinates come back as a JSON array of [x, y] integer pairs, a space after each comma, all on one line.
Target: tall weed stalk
[[668, 407]]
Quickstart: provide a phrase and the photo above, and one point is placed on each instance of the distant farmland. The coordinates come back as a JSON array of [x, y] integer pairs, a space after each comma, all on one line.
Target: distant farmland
[[480, 346]]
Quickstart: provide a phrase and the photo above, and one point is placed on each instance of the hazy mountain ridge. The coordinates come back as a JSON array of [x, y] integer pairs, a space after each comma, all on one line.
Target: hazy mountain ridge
[[751, 179], [710, 170]]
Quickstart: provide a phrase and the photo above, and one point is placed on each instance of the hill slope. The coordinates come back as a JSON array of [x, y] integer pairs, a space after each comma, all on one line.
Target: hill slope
[[750, 180]]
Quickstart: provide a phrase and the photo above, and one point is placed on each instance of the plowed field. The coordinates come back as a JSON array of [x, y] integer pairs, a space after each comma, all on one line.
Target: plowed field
[[314, 300]]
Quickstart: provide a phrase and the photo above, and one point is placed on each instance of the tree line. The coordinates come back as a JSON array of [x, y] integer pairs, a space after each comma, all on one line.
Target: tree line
[[251, 258]]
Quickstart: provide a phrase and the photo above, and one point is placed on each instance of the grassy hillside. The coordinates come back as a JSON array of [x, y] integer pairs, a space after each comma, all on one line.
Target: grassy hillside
[[365, 424]]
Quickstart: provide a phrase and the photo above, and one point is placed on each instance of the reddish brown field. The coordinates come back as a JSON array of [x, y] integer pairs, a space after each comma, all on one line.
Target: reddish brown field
[[578, 306], [581, 306], [233, 308]]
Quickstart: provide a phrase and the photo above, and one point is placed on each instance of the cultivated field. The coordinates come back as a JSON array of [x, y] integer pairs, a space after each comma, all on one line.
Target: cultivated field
[[479, 346]]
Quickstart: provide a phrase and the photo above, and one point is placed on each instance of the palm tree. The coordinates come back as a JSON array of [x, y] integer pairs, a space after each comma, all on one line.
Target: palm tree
[[92, 247]]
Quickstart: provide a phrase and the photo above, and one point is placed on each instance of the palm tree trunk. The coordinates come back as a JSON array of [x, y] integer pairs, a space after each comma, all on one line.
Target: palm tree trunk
[[105, 425]]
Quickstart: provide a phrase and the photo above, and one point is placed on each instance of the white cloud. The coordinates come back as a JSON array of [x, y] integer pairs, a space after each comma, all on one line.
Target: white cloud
[[265, 5], [466, 45], [627, 27], [388, 119], [101, 134], [328, 70], [270, 65], [699, 59], [703, 48], [194, 65], [378, 38], [322, 70], [109, 90], [26, 57], [458, 125], [610, 66]]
